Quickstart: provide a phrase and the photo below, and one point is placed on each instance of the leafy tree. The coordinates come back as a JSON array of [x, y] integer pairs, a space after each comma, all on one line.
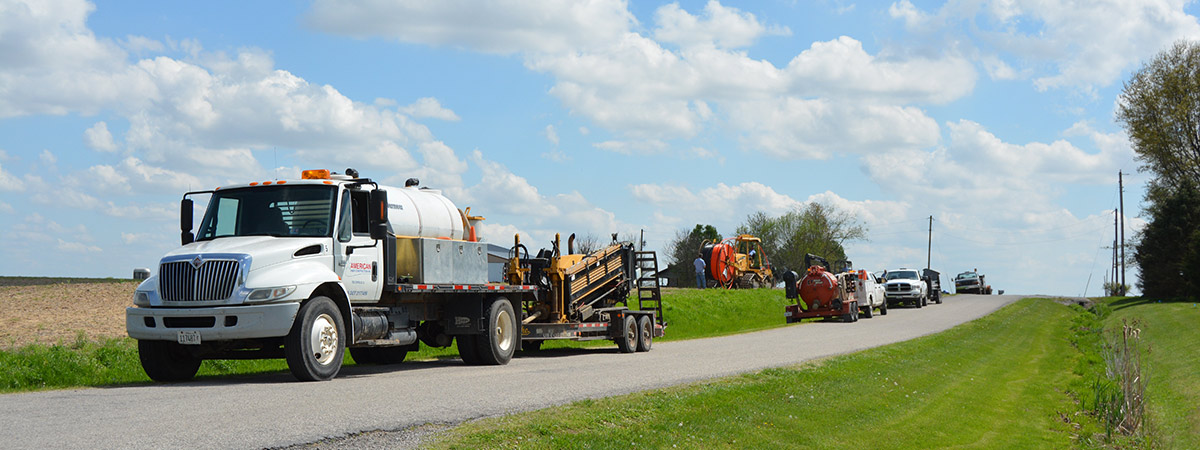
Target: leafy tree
[[683, 249], [816, 228], [1160, 109], [1168, 249]]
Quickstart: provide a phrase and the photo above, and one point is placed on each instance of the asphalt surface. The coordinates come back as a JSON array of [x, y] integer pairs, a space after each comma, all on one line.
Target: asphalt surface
[[352, 410]]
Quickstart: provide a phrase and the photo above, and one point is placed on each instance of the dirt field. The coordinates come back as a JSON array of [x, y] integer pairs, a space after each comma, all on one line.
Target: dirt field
[[53, 313]]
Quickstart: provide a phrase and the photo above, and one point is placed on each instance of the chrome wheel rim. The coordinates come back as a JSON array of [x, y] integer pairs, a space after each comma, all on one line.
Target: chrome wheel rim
[[504, 332], [324, 339]]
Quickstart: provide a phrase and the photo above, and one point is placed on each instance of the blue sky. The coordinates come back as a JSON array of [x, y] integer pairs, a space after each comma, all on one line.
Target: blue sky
[[994, 117]]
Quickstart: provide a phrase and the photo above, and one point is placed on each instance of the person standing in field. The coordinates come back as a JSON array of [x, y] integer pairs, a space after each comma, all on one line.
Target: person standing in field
[[699, 263]]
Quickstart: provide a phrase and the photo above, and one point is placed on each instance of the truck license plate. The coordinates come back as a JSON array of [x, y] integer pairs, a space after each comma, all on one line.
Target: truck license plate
[[189, 337]]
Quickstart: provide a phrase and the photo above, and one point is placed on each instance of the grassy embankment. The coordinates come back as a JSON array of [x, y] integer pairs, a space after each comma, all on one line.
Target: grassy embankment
[[997, 382], [1172, 366], [690, 314]]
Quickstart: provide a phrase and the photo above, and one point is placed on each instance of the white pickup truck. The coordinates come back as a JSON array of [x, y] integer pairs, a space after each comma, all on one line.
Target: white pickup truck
[[905, 286]]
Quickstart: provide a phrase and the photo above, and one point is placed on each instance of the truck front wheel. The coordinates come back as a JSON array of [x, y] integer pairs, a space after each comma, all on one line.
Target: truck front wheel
[[315, 346], [167, 361], [496, 346]]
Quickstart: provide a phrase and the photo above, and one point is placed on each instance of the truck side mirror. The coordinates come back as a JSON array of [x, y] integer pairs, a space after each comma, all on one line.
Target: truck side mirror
[[185, 222], [378, 211]]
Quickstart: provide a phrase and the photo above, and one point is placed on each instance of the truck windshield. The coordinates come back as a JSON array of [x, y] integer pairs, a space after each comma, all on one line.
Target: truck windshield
[[966, 275], [902, 274], [305, 211]]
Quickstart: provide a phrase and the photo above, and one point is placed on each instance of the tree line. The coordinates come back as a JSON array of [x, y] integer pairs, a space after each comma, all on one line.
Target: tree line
[[816, 228], [1160, 110]]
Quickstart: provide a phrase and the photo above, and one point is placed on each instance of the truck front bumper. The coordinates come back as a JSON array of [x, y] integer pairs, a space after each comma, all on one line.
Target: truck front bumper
[[214, 324]]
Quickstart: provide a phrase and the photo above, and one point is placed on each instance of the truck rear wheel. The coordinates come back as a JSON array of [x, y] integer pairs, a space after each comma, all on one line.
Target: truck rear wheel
[[497, 345], [379, 355], [645, 333], [315, 346], [167, 361], [628, 341], [883, 308], [869, 310], [466, 349]]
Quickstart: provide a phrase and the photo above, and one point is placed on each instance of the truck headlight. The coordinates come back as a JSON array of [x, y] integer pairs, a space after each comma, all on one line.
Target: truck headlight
[[141, 298], [268, 294]]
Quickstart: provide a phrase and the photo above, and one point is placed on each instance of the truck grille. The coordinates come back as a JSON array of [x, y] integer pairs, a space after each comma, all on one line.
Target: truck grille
[[899, 287], [214, 280]]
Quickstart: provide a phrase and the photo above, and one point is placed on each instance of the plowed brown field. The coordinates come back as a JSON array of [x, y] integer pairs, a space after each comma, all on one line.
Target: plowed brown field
[[57, 313]]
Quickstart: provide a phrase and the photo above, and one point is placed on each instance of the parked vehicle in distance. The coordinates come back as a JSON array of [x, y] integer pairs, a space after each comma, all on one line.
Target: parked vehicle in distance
[[971, 282], [905, 286], [870, 293], [933, 279]]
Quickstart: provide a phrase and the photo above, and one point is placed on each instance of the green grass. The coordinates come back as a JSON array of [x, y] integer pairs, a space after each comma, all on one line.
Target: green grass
[[997, 382], [691, 313], [1172, 366], [86, 363]]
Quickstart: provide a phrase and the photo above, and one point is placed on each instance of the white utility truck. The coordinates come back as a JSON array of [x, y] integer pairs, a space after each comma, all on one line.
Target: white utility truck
[[304, 269]]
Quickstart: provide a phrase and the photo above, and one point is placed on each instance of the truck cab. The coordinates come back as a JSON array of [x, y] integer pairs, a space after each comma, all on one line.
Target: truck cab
[[295, 269]]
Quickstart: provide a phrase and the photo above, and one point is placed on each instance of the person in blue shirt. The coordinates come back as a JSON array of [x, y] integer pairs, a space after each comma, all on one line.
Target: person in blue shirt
[[699, 263]]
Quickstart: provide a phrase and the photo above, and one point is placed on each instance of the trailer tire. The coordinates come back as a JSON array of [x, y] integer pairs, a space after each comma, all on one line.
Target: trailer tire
[[628, 341], [315, 346], [645, 333], [496, 346], [467, 350], [167, 361]]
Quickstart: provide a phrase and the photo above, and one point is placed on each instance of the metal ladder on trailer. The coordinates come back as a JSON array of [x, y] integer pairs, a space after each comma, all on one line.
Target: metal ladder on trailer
[[649, 294]]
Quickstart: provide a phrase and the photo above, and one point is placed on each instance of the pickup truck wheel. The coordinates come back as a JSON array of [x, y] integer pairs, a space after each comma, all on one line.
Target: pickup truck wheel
[[628, 341], [883, 309], [645, 333], [167, 361], [919, 302], [497, 345], [466, 349], [314, 347], [925, 301], [869, 312]]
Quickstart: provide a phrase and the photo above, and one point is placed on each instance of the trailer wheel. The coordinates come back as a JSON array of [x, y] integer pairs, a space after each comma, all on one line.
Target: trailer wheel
[[645, 333], [314, 347], [466, 349], [938, 298], [167, 361], [497, 345], [628, 341]]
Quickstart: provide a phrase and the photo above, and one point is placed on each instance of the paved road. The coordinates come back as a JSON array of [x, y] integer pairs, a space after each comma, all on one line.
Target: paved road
[[272, 411]]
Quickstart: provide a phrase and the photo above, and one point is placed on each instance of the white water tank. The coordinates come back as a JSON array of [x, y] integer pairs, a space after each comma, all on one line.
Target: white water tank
[[417, 212]]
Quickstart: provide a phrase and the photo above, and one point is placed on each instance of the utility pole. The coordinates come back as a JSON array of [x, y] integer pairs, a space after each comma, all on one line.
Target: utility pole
[[1121, 195], [1114, 262], [929, 250]]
